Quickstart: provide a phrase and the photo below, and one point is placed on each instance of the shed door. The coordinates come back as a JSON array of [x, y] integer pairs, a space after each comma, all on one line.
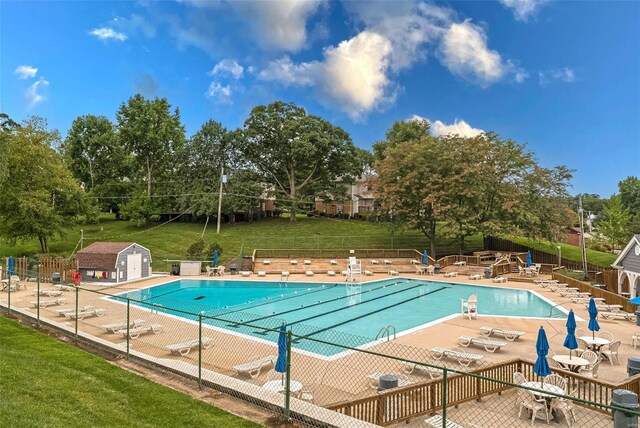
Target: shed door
[[134, 266]]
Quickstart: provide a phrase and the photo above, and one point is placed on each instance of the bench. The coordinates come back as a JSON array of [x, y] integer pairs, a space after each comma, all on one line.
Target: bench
[[510, 335], [488, 344], [463, 358]]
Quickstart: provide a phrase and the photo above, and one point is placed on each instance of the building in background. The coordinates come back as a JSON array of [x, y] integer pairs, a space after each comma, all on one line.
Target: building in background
[[114, 262]]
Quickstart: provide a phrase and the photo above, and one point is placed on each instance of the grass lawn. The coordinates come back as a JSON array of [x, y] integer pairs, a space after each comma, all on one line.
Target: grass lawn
[[46, 383], [570, 252], [172, 240]]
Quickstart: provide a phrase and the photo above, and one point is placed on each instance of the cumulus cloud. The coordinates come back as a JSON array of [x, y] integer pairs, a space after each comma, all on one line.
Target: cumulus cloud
[[106, 34], [34, 92], [562, 75], [352, 75], [464, 51], [228, 67], [220, 93], [25, 72], [280, 25], [458, 127], [523, 9]]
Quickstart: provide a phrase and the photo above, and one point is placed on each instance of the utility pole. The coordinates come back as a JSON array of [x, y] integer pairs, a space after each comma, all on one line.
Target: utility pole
[[220, 199], [582, 240], [81, 238]]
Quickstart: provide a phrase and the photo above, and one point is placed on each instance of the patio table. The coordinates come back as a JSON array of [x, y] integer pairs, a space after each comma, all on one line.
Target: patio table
[[573, 363], [595, 343], [544, 387]]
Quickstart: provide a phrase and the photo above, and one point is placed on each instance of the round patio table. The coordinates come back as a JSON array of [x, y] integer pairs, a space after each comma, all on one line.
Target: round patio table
[[573, 363], [595, 343], [544, 387], [278, 386]]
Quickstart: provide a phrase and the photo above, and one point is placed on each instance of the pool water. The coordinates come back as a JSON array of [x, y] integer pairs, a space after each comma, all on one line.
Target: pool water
[[347, 314]]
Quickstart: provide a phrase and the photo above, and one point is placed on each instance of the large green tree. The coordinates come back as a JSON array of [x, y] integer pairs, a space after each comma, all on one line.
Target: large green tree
[[40, 197], [614, 224], [401, 132], [294, 151], [630, 197]]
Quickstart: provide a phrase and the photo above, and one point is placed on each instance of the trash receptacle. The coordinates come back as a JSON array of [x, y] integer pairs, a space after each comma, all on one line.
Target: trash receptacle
[[436, 268], [56, 277], [638, 317], [633, 366], [628, 400], [233, 269], [487, 273]]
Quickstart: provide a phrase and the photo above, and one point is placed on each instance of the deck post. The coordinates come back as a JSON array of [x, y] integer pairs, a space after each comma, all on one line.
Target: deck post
[[128, 323], [9, 295], [38, 290], [444, 398], [200, 350], [77, 300], [287, 386]]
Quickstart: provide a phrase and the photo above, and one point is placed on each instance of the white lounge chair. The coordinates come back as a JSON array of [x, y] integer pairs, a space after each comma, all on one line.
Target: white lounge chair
[[475, 276], [63, 312], [117, 326], [618, 314], [510, 335], [48, 292], [450, 274], [62, 287], [307, 262], [51, 302], [373, 262], [293, 262], [309, 273], [245, 273], [375, 380], [284, 274], [499, 279], [134, 333], [488, 344], [334, 262], [98, 312], [409, 368], [386, 262], [368, 273], [331, 272], [185, 347], [463, 358], [393, 272], [266, 262], [460, 263], [559, 286], [262, 273], [253, 368]]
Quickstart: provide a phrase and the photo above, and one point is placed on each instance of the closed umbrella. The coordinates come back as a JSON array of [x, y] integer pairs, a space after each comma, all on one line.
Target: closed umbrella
[[215, 258], [425, 258], [10, 266], [281, 362], [541, 367], [570, 341], [529, 260], [593, 318]]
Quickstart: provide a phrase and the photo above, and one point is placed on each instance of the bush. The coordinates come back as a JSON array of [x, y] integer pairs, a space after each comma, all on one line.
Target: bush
[[196, 250], [213, 247]]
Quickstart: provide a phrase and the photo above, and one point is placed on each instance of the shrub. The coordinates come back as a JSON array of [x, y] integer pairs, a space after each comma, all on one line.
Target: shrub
[[214, 246], [196, 250]]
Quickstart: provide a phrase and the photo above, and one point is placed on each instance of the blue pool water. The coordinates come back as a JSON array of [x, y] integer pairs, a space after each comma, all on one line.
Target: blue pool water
[[332, 312]]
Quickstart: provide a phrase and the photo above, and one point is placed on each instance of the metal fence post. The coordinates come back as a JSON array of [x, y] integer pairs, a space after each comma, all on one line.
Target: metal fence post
[[9, 295], [128, 324], [200, 350], [38, 289], [444, 398], [77, 300], [287, 386]]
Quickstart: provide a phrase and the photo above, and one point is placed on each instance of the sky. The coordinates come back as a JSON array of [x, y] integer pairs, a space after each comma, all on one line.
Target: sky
[[562, 77]]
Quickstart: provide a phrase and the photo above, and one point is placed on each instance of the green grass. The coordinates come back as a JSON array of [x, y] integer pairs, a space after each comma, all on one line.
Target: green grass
[[171, 240], [569, 252], [46, 383]]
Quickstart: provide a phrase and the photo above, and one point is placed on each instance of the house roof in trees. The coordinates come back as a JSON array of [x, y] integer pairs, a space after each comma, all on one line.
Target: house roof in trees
[[102, 255]]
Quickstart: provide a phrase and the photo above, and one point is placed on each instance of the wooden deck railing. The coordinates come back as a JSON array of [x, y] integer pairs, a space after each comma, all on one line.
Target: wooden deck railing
[[334, 253], [401, 404], [609, 297], [48, 265]]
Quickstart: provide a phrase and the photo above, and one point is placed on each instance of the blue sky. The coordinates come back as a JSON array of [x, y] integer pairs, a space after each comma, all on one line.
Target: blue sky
[[561, 76]]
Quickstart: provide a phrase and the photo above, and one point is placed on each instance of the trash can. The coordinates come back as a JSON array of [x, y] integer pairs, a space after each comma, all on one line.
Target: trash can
[[487, 273], [436, 268], [175, 269], [633, 366], [233, 269], [387, 382], [56, 278], [627, 400], [638, 316]]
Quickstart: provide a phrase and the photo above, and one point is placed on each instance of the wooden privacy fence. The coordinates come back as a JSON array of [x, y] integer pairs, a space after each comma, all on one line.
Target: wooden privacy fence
[[26, 267], [609, 297], [401, 404], [334, 253]]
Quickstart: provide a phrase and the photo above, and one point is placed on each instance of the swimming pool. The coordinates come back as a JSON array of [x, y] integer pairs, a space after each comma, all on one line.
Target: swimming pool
[[335, 312]]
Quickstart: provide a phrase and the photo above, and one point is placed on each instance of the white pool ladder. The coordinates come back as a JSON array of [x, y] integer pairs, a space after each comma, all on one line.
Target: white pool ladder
[[387, 330]]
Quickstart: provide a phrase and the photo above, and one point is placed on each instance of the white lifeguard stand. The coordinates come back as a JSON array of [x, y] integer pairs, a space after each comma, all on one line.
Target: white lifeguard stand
[[354, 269]]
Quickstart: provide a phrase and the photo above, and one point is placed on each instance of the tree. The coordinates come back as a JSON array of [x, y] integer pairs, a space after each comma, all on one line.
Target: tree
[[630, 196], [293, 151], [400, 132], [40, 198], [615, 222], [155, 138]]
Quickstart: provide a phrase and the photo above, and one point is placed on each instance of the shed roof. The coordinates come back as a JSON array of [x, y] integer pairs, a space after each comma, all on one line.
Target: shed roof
[[105, 247], [635, 240], [101, 255]]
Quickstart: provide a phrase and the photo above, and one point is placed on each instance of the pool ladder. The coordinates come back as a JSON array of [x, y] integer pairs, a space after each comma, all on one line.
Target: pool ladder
[[387, 330]]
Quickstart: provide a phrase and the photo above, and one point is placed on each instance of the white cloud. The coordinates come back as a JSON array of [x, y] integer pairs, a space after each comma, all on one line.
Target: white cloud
[[563, 75], [523, 9], [228, 67], [458, 127], [465, 53], [106, 33], [352, 76], [33, 94], [221, 93], [280, 25], [25, 72]]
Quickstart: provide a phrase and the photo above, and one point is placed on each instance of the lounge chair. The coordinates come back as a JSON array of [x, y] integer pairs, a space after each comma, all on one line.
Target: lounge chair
[[62, 287], [117, 326], [375, 380], [309, 273], [409, 368], [48, 292], [368, 273], [450, 274], [334, 262], [98, 312], [386, 262], [307, 262], [331, 272], [393, 272], [284, 274], [51, 302], [488, 344], [266, 262], [558, 286], [185, 347], [253, 368], [373, 262], [499, 279], [463, 358], [262, 273], [245, 273], [134, 333], [63, 312], [293, 262], [460, 263], [619, 314], [475, 276], [436, 422], [510, 335]]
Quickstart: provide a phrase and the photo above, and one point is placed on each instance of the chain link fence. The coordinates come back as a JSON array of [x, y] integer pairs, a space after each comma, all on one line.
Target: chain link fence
[[325, 377]]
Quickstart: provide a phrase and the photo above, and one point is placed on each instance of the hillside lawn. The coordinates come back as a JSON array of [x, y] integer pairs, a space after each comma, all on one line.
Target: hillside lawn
[[47, 383], [570, 252]]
